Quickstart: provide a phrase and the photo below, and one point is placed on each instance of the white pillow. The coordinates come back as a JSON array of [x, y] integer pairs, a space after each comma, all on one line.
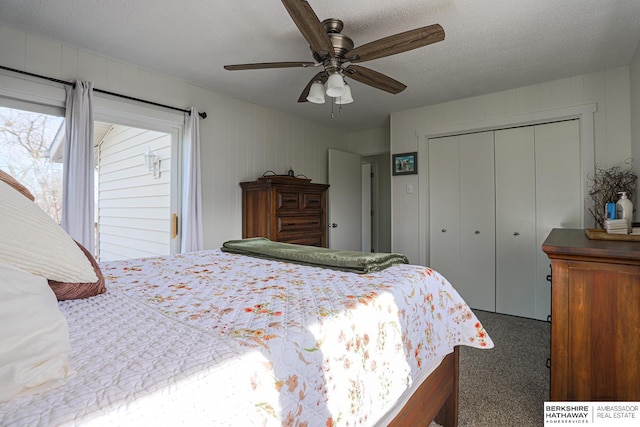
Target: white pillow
[[34, 334], [31, 240]]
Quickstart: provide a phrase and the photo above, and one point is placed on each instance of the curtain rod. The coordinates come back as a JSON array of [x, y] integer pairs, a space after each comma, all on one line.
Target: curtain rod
[[106, 92]]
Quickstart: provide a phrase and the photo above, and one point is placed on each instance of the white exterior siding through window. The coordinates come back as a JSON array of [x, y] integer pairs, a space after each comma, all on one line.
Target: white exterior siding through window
[[133, 205]]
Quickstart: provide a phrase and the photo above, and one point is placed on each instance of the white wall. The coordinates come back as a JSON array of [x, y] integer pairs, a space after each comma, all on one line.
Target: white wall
[[610, 90], [369, 142], [240, 141], [635, 123]]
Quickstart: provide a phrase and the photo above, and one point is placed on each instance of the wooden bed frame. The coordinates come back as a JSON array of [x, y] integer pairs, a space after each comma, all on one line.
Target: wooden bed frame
[[435, 400]]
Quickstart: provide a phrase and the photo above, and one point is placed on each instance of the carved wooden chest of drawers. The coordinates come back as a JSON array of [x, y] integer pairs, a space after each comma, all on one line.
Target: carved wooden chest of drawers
[[285, 209]]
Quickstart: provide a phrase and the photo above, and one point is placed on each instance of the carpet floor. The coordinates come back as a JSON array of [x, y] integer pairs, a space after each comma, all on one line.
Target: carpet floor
[[507, 385]]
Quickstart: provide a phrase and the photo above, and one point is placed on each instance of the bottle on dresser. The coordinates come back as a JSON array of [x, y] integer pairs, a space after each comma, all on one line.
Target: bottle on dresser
[[624, 209]]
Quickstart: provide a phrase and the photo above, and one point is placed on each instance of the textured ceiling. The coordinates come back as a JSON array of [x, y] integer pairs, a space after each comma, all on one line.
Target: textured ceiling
[[490, 45]]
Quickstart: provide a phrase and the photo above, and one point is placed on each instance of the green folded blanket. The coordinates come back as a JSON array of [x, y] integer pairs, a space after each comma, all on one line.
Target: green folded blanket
[[353, 261]]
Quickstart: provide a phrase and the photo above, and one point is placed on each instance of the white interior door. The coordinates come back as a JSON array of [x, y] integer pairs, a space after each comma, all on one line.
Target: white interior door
[[345, 201]]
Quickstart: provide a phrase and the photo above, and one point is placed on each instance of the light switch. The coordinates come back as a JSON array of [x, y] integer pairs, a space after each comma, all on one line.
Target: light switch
[[409, 188]]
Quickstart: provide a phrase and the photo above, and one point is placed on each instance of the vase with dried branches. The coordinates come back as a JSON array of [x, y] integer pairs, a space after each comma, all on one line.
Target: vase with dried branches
[[604, 186]]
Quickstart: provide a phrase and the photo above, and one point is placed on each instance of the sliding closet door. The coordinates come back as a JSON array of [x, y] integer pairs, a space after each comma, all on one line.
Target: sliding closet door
[[515, 221], [462, 215], [477, 220], [558, 201], [444, 208]]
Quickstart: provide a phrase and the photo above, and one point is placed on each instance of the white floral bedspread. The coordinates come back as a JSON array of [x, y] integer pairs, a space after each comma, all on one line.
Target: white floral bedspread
[[341, 347], [296, 345]]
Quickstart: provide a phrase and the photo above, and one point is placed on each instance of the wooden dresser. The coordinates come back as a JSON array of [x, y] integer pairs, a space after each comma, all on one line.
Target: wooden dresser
[[285, 209], [595, 317]]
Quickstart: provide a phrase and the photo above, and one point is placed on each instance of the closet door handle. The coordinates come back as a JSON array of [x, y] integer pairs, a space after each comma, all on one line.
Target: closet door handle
[[515, 233]]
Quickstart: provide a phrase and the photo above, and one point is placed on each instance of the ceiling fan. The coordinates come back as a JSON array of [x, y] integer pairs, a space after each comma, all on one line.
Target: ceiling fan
[[335, 54]]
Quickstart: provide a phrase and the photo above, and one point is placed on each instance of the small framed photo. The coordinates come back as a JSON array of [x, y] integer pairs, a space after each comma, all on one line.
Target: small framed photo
[[405, 163]]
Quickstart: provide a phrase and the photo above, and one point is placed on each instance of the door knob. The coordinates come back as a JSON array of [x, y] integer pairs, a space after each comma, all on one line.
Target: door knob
[[333, 225]]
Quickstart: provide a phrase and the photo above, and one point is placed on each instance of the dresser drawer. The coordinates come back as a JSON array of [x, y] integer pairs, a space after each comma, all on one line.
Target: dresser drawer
[[288, 200], [311, 201], [306, 239], [299, 223]]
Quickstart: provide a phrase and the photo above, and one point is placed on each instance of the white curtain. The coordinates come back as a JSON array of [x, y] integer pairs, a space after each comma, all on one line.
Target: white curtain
[[77, 193], [192, 238]]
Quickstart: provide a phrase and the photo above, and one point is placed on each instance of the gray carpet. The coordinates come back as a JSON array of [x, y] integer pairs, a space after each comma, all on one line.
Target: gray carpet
[[507, 385]]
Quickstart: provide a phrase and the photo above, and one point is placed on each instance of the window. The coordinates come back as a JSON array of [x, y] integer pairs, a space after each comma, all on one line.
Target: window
[[25, 139], [131, 202]]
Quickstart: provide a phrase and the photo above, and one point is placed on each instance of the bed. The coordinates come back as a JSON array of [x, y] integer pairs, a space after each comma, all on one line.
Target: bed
[[215, 338], [221, 337]]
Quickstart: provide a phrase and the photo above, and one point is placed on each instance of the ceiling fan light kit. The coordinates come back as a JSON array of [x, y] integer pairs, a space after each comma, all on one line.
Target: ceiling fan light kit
[[335, 85], [335, 54], [316, 93], [346, 97]]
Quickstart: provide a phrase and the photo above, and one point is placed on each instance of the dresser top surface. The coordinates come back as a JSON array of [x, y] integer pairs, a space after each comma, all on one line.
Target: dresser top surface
[[563, 242], [282, 181]]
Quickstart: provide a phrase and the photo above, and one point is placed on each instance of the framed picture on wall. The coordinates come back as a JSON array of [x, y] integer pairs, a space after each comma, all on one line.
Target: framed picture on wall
[[405, 163]]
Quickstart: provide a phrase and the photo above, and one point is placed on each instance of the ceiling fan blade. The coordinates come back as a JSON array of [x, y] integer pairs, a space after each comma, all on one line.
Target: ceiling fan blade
[[397, 43], [310, 26], [262, 65], [374, 78], [322, 76]]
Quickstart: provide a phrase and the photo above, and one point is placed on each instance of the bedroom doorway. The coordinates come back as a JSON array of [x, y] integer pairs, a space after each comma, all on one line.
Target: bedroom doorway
[[344, 200], [380, 208], [359, 201]]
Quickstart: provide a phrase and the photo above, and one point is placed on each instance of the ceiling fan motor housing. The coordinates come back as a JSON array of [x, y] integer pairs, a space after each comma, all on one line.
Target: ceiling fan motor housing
[[341, 43], [333, 25]]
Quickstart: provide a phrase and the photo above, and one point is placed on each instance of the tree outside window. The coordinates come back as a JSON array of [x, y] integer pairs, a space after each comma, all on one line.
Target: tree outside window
[[25, 138]]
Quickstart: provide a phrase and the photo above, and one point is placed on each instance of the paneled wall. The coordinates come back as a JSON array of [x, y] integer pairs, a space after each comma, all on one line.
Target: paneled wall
[[240, 141], [609, 90]]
